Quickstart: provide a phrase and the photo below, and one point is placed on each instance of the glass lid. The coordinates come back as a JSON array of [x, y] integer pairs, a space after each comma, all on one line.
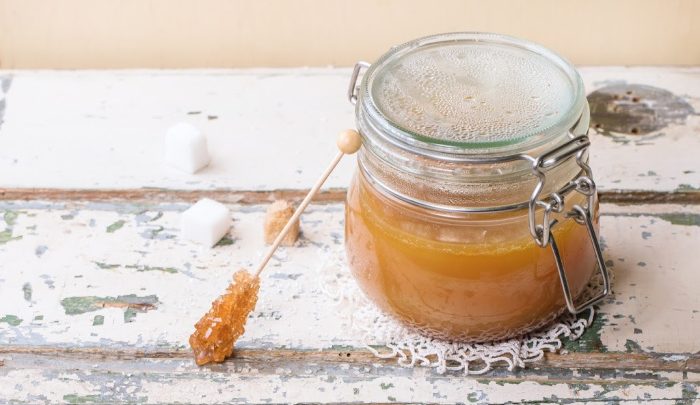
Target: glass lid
[[466, 92]]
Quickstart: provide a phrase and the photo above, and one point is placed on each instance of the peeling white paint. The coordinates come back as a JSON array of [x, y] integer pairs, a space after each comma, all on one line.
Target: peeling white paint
[[656, 307], [292, 311], [168, 381], [104, 129]]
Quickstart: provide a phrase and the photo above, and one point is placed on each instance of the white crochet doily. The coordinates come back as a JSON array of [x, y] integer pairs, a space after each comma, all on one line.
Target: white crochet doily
[[386, 338]]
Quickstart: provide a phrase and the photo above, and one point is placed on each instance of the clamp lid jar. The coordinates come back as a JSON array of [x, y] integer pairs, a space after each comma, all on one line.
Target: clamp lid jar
[[474, 149]]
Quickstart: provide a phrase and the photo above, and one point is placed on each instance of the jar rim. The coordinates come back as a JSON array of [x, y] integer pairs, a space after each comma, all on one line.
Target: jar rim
[[390, 131]]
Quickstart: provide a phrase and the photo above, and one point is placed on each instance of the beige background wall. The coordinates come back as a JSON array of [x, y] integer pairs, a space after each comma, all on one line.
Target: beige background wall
[[245, 33]]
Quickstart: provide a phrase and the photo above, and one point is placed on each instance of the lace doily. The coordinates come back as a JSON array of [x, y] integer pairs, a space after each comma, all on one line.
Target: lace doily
[[387, 338]]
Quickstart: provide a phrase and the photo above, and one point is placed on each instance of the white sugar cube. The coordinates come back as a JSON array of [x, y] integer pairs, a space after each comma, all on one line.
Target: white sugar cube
[[205, 222], [186, 148]]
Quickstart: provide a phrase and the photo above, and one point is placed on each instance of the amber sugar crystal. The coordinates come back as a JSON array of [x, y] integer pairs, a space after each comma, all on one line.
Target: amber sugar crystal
[[217, 331]]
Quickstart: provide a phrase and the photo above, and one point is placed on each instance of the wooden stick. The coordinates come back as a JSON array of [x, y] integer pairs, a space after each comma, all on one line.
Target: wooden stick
[[349, 142]]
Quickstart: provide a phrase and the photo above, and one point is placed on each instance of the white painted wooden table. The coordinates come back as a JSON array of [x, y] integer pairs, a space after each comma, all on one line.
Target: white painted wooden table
[[98, 294]]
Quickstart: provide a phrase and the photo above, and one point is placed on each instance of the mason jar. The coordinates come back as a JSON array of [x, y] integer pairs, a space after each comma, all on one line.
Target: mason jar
[[473, 213]]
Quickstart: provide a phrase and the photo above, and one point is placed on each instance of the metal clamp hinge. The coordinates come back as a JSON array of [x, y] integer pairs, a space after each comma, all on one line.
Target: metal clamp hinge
[[353, 88], [583, 215]]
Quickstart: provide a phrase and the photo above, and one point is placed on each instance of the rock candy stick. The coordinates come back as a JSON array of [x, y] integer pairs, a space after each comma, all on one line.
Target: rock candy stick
[[217, 331]]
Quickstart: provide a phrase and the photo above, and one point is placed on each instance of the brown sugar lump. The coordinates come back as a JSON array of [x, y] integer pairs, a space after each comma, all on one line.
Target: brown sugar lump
[[277, 216]]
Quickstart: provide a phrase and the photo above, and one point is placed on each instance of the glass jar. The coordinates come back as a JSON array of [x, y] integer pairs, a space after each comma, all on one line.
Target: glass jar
[[473, 215]]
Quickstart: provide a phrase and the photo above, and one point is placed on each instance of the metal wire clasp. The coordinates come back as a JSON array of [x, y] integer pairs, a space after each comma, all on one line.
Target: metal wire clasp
[[583, 215], [354, 87]]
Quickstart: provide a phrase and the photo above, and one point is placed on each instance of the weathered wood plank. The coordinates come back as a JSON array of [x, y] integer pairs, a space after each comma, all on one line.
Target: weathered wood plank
[[603, 362], [656, 279], [147, 195], [117, 276], [656, 160], [52, 120], [36, 378], [103, 130], [76, 259]]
